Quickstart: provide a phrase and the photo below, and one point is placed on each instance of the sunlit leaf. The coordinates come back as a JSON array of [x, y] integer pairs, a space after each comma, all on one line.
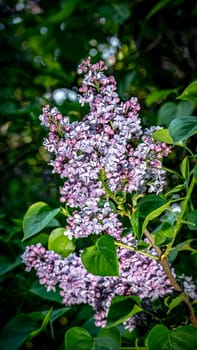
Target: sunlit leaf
[[158, 95], [190, 92], [37, 217], [162, 135], [163, 234], [60, 243]]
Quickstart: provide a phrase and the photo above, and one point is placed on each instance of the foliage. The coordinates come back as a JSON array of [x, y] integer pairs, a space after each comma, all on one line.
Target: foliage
[[42, 44]]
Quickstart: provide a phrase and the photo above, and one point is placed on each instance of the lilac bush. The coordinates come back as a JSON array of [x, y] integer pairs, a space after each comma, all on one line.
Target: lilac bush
[[107, 161]]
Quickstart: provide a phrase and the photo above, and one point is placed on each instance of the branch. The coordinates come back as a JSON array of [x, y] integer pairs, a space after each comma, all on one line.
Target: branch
[[162, 258]]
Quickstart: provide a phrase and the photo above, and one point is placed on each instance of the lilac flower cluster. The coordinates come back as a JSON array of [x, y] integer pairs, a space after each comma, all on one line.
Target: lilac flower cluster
[[107, 152], [139, 275], [94, 220]]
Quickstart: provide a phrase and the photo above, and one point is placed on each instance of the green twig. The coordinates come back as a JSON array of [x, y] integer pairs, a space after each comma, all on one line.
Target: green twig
[[142, 252]]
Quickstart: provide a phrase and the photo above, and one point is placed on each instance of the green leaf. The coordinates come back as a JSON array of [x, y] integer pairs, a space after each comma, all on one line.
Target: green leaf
[[40, 291], [101, 258], [156, 96], [182, 128], [58, 313], [190, 93], [36, 218], [186, 245], [163, 234], [175, 302], [149, 203], [172, 255], [16, 332], [60, 243], [148, 208], [182, 338], [185, 108], [53, 223], [121, 309], [170, 110], [154, 214], [162, 135], [176, 189], [184, 166], [151, 207], [44, 324], [167, 113], [77, 338], [108, 339]]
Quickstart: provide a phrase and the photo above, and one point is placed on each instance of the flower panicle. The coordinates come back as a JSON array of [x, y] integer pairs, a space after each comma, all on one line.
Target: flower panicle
[[109, 139]]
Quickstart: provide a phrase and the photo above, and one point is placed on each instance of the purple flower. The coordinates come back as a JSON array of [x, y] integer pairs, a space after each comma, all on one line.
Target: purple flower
[[139, 275], [109, 140]]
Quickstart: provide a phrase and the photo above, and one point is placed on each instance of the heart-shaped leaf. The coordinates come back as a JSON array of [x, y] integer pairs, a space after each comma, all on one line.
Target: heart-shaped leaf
[[101, 259], [182, 338], [77, 338]]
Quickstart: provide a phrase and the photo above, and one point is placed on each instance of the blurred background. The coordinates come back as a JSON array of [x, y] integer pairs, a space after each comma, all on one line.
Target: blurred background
[[149, 46]]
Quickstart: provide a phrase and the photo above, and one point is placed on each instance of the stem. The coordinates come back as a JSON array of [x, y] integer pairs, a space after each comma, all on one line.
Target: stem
[[162, 257], [151, 241], [64, 211], [164, 263], [122, 245], [109, 193]]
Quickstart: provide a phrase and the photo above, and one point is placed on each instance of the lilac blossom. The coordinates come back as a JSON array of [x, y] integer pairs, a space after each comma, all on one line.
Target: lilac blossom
[[94, 220], [139, 276], [109, 140]]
